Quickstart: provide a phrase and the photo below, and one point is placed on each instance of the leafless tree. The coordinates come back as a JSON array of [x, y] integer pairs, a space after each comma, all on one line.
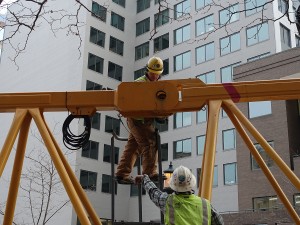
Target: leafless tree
[[41, 188], [41, 191]]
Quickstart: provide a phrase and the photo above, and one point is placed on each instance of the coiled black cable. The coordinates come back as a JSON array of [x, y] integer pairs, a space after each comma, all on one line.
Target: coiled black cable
[[72, 141]]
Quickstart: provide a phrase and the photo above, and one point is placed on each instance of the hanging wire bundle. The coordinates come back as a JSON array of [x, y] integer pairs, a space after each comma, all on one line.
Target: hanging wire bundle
[[72, 141]]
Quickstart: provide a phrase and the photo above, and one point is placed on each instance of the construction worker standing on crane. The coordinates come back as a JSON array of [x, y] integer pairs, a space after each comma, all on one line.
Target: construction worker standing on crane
[[182, 206], [142, 138]]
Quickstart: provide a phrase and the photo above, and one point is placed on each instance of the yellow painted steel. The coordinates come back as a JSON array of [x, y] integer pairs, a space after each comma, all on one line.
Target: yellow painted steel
[[82, 195], [16, 173], [77, 204], [269, 150], [207, 174], [147, 99], [11, 137], [261, 163]]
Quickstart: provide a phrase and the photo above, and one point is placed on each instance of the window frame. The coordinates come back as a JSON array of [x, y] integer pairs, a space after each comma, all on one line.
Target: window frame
[[182, 154]]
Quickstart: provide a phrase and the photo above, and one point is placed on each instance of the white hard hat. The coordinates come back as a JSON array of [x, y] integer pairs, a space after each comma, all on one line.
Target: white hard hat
[[182, 180]]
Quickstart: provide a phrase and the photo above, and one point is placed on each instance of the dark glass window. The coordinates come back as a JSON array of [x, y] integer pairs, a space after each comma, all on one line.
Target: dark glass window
[[88, 180], [92, 86], [115, 71], [116, 45], [112, 124], [90, 150], [117, 21], [95, 63], [99, 11], [107, 153], [161, 42]]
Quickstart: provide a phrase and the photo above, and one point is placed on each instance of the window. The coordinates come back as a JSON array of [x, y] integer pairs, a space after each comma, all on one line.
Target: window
[[99, 11], [162, 126], [269, 162], [254, 6], [200, 144], [258, 57], [182, 9], [142, 51], [297, 41], [215, 178], [283, 6], [229, 15], [182, 119], [230, 44], [134, 190], [117, 21], [265, 203], [201, 3], [106, 184], [92, 86], [112, 124], [95, 121], [166, 67], [204, 25], [95, 63], [107, 154], [120, 2], [116, 45], [227, 73], [139, 73], [97, 37], [296, 198], [182, 148], [88, 180], [90, 150], [257, 109], [205, 53], [142, 5], [143, 26], [164, 152], [285, 36], [182, 34], [230, 173], [161, 18], [115, 71], [161, 42], [182, 61], [257, 34], [228, 139], [208, 77], [202, 115]]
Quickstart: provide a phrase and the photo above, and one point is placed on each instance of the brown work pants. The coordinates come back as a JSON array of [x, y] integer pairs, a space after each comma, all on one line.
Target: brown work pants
[[141, 141]]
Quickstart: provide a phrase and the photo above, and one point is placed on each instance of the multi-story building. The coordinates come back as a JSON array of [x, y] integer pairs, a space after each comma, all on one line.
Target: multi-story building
[[195, 38]]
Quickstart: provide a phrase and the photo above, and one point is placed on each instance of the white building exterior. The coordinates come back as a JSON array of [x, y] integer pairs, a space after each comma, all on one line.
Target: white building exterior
[[61, 63]]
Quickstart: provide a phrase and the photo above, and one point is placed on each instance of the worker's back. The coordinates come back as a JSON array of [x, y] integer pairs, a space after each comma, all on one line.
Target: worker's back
[[187, 209]]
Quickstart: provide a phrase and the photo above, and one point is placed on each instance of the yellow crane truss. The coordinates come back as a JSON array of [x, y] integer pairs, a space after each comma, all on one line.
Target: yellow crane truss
[[147, 99]]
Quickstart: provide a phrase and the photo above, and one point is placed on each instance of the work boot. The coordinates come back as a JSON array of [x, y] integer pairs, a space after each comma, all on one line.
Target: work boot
[[155, 177], [125, 180]]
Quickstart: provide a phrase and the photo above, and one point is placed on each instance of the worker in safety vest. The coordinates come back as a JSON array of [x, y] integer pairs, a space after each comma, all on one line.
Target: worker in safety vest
[[181, 207], [142, 138]]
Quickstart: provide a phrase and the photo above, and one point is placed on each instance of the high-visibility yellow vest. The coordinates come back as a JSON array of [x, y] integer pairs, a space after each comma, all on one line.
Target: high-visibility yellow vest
[[187, 210], [142, 79]]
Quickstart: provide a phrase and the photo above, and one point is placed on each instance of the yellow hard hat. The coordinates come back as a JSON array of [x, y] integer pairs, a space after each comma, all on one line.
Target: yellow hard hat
[[155, 65]]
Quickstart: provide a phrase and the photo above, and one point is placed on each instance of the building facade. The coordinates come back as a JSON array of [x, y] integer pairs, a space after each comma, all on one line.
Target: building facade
[[194, 38]]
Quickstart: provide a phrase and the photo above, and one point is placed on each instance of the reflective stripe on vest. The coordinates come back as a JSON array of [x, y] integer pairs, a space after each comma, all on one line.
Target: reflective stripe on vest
[[141, 79], [187, 210]]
